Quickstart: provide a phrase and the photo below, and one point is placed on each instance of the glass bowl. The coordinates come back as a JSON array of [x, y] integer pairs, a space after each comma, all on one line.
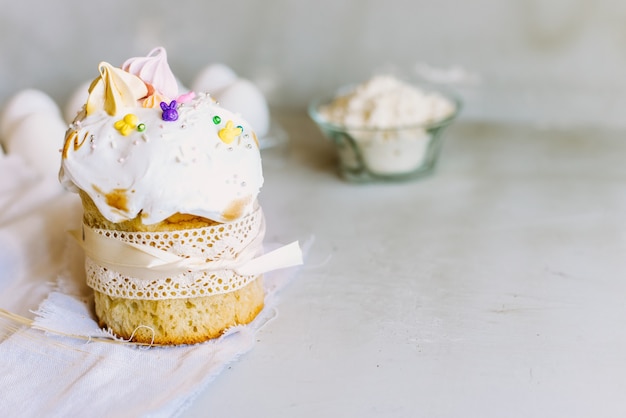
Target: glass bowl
[[385, 154]]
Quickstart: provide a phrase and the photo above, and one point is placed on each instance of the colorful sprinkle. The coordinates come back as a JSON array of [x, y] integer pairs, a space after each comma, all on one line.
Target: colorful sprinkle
[[229, 132], [186, 97], [170, 114], [217, 120], [126, 125], [141, 127]]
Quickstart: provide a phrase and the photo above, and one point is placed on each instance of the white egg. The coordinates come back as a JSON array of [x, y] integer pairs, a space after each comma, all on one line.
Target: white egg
[[24, 103], [76, 101], [37, 138], [213, 78], [245, 98]]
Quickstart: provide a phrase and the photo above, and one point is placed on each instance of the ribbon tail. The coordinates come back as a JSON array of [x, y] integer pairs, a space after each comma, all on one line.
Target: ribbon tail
[[286, 256]]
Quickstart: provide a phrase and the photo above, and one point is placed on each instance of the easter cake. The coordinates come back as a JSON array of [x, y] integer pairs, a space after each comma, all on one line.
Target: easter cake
[[172, 226]]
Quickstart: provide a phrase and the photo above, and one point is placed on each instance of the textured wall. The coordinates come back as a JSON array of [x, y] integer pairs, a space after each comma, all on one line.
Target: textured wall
[[557, 61]]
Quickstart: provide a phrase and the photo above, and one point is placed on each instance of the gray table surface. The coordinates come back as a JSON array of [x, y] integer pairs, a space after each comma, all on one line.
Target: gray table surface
[[494, 288]]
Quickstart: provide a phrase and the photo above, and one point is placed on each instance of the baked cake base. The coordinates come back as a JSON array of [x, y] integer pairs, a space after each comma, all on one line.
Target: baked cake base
[[179, 321], [171, 320]]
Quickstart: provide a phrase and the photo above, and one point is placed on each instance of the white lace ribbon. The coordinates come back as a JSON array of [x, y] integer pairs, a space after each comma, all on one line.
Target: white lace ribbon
[[146, 263]]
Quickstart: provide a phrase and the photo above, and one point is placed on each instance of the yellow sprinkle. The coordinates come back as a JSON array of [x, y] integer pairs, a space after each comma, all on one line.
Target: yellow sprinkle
[[228, 133], [127, 124]]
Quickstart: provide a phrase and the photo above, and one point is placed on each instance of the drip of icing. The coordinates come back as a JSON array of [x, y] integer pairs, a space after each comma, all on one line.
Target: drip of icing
[[114, 89], [155, 70]]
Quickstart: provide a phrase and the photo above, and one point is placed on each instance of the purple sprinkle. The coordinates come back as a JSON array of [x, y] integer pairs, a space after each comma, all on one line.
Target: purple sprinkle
[[170, 114]]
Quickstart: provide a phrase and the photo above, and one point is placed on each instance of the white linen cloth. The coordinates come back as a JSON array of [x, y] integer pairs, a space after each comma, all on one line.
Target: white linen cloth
[[47, 374]]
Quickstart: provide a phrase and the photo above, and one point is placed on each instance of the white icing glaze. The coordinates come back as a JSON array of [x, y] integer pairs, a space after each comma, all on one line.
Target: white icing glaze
[[172, 167]]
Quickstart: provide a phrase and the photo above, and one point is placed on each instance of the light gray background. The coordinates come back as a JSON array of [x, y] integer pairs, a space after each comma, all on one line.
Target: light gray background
[[546, 62]]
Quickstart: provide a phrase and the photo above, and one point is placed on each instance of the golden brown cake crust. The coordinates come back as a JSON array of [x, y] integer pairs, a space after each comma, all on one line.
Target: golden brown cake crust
[[179, 321], [93, 218], [172, 321]]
